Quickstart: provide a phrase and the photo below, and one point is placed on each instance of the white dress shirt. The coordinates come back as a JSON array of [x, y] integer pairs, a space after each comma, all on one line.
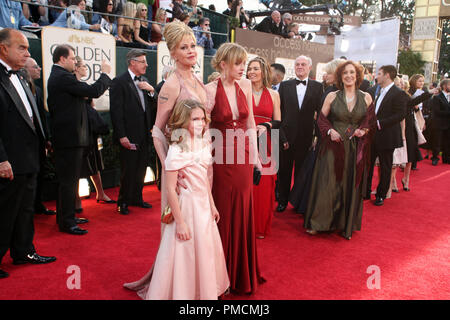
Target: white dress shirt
[[18, 85], [383, 92], [301, 91], [141, 94]]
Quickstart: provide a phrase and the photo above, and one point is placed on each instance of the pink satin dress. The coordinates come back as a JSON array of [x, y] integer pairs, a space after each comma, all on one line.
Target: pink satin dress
[[194, 269]]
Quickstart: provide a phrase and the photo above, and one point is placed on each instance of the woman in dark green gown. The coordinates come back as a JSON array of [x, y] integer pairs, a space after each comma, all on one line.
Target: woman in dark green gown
[[346, 121]]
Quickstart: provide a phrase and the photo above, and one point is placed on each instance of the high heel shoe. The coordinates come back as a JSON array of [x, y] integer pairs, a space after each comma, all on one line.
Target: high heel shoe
[[395, 190], [405, 188], [106, 201], [311, 232], [346, 237]]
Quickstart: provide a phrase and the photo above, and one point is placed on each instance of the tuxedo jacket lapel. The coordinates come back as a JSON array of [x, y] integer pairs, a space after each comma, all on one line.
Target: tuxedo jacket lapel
[[133, 88], [308, 93], [386, 99], [32, 100], [9, 87], [444, 100], [294, 95]]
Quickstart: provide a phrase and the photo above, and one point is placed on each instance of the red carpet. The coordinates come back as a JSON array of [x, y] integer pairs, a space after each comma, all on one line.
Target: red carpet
[[408, 239]]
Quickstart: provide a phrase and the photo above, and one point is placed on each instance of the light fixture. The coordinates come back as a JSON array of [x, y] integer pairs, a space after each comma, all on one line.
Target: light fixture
[[83, 188]]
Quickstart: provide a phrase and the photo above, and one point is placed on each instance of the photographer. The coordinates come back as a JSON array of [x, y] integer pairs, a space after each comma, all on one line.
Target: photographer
[[204, 38]]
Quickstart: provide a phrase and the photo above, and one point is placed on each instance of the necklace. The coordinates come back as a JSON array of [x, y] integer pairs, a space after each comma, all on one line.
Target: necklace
[[350, 100], [258, 93]]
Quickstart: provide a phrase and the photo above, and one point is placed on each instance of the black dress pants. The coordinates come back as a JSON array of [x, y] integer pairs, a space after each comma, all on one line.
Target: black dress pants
[[133, 166], [385, 157], [445, 145], [16, 215], [290, 159], [68, 163]]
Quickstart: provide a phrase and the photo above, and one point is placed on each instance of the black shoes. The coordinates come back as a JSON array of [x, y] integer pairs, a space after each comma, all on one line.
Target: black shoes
[[281, 207], [34, 259], [434, 162], [106, 201], [46, 211], [3, 274], [405, 188], [123, 208], [379, 201], [81, 220], [145, 205], [74, 230]]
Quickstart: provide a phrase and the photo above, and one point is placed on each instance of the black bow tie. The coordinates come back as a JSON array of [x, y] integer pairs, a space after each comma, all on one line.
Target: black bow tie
[[297, 82], [137, 78]]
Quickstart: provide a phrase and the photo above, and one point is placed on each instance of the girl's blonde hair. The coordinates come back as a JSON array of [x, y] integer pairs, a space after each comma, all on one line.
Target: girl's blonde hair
[[230, 53], [174, 33], [266, 72], [180, 119]]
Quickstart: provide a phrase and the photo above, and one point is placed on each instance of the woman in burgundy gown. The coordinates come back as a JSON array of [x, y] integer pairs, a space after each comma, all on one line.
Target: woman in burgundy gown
[[266, 110], [233, 182]]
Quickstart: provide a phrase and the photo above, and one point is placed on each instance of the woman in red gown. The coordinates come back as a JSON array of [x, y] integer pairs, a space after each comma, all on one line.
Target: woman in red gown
[[266, 110], [232, 187]]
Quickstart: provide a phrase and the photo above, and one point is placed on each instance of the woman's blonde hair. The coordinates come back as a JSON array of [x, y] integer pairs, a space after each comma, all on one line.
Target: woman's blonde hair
[[266, 72], [331, 66], [129, 11], [230, 53], [78, 61], [174, 33], [180, 118], [159, 13], [213, 76], [139, 7]]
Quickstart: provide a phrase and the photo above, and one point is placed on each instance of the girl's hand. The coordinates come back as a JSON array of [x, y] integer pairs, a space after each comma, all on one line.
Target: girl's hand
[[182, 231], [260, 129], [215, 214]]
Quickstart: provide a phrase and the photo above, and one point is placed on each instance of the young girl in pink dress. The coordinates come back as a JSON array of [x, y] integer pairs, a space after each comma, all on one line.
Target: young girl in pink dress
[[190, 263]]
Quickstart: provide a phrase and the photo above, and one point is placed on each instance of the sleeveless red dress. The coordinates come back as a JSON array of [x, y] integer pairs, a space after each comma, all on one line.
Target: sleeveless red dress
[[232, 191], [264, 192]]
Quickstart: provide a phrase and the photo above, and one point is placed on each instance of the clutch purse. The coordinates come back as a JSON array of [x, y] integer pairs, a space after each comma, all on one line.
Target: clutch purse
[[349, 132], [166, 215], [256, 176]]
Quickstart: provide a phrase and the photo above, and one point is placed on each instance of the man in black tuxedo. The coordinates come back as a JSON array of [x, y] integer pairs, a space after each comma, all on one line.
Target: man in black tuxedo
[[271, 24], [133, 109], [21, 134], [300, 100], [390, 109], [33, 72], [69, 128], [440, 110]]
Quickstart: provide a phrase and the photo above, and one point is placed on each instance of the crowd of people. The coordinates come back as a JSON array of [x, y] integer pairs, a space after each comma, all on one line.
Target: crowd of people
[[136, 23], [213, 209]]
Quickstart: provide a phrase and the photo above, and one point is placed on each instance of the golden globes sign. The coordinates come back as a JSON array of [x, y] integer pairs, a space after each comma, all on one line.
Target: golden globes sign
[[164, 60], [92, 47]]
